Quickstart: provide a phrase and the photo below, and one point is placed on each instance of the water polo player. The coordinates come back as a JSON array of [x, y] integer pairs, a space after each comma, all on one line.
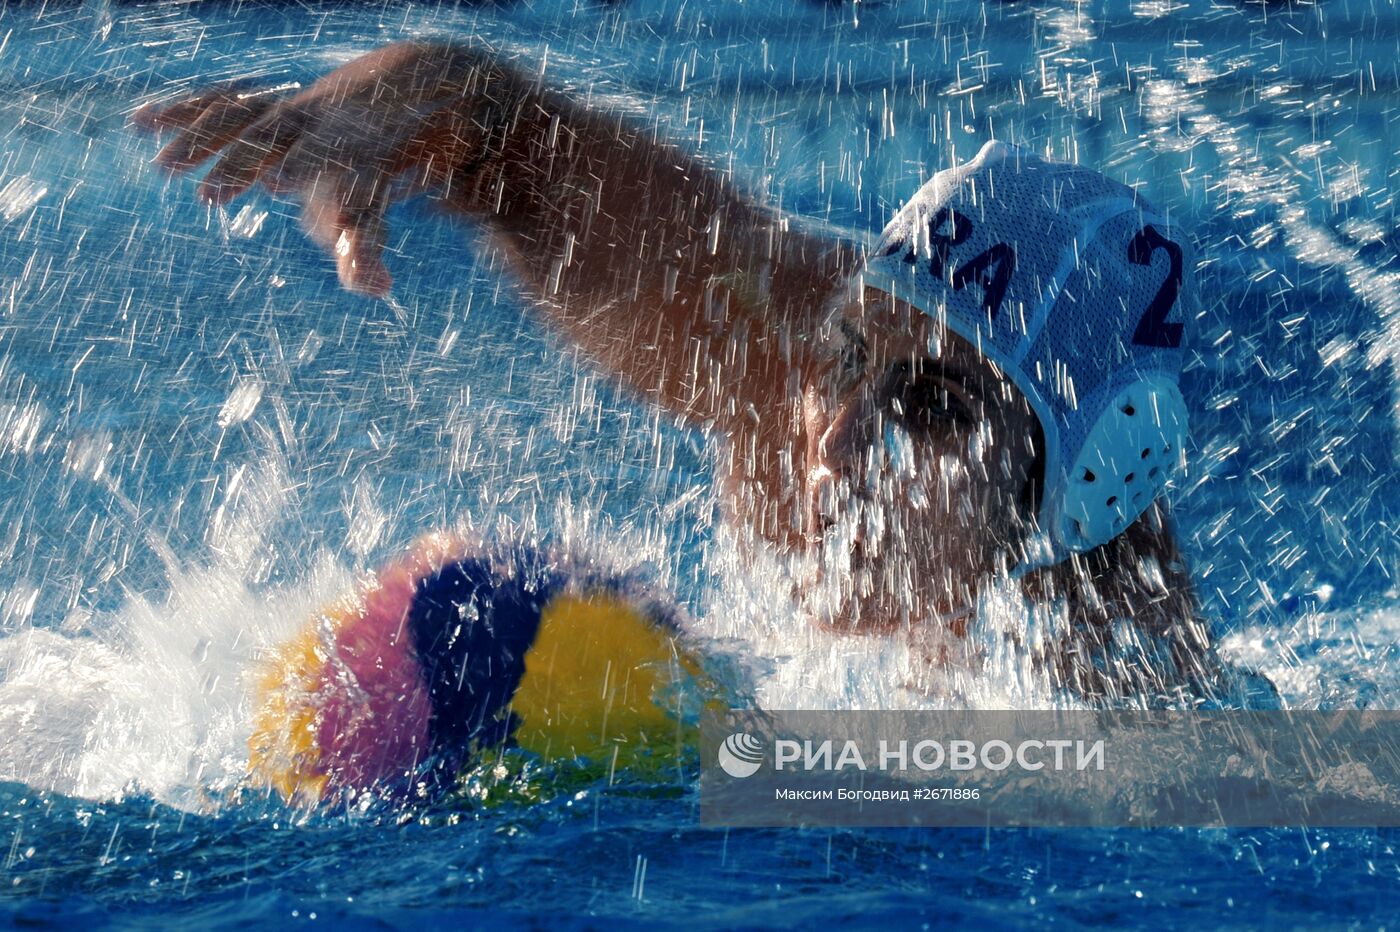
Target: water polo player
[[988, 393]]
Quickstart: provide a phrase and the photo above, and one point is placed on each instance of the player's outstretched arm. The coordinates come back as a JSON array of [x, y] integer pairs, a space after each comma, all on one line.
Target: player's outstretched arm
[[653, 263]]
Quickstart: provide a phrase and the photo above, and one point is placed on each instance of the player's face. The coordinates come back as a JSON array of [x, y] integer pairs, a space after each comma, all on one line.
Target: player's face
[[918, 459]]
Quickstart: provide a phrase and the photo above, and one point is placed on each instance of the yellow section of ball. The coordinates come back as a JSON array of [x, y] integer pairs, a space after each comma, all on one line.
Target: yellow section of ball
[[592, 683], [282, 749]]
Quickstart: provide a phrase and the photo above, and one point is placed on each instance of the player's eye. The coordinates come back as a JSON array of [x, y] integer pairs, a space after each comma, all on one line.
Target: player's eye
[[918, 397], [852, 360]]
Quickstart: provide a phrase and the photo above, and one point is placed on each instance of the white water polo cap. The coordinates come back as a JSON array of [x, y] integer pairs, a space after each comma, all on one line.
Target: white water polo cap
[[1075, 287]]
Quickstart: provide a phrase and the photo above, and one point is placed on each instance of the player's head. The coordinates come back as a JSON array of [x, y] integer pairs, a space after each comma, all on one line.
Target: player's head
[[1019, 340]]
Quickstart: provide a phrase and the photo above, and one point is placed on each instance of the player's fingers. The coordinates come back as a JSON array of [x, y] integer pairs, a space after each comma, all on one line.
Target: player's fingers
[[321, 217], [261, 147], [360, 251], [352, 229], [359, 256], [360, 259], [219, 124], [165, 114], [181, 111]]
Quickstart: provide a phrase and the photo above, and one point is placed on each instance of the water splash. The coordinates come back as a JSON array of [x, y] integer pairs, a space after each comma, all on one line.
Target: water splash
[[155, 698]]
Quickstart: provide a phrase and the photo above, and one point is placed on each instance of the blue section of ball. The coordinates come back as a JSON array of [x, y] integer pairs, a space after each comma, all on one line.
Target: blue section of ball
[[472, 623]]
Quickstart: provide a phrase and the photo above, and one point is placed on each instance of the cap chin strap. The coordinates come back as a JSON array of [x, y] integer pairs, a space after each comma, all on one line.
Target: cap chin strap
[[1040, 553]]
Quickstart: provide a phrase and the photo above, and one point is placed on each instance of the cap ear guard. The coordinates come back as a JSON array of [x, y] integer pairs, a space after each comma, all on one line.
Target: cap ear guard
[[1121, 467]]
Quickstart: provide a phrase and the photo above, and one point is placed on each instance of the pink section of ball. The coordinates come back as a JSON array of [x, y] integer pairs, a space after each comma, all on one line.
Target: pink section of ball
[[375, 714]]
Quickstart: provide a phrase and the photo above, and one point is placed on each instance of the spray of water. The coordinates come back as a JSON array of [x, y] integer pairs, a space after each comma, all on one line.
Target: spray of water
[[156, 698]]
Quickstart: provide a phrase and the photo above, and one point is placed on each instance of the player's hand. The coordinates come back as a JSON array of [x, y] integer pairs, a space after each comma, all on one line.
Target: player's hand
[[395, 121]]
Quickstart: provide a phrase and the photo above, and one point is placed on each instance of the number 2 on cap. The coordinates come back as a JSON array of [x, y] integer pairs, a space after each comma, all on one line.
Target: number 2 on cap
[[1153, 329]]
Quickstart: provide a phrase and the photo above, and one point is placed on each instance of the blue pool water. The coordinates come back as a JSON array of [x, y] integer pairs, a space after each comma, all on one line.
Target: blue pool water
[[202, 439]]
